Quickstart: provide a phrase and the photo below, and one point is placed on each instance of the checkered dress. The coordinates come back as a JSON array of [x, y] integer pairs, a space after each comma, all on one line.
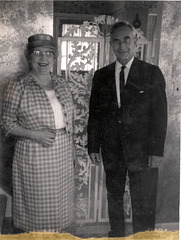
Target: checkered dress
[[43, 177]]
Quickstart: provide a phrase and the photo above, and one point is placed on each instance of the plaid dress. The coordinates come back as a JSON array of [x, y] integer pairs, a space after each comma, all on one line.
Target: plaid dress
[[43, 177]]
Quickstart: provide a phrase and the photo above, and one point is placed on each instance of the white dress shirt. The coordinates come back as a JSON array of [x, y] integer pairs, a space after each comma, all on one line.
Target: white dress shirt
[[117, 73]]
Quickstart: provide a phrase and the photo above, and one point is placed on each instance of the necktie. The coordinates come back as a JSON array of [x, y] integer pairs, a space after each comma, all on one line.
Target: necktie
[[122, 81]]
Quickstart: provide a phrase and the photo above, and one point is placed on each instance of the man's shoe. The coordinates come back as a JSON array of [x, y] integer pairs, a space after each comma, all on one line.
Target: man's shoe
[[115, 234]]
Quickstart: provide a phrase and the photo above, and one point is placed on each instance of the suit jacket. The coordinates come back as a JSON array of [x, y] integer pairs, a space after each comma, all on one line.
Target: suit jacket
[[141, 122]]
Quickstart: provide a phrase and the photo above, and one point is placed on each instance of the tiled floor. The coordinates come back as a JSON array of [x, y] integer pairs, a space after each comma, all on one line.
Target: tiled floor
[[84, 231]]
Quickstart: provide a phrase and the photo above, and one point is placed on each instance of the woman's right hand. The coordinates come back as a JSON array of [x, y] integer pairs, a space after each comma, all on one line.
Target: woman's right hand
[[45, 137]]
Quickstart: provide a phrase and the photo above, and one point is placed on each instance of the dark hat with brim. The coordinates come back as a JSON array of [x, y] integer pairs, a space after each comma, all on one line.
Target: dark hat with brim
[[40, 40]]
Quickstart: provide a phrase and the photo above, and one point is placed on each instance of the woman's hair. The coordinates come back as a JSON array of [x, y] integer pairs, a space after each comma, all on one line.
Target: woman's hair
[[27, 53]]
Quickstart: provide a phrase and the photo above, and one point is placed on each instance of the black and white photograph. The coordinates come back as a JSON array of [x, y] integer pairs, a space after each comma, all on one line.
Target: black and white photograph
[[90, 96]]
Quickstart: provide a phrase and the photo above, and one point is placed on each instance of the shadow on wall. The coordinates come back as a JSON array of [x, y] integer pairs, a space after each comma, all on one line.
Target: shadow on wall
[[6, 153], [7, 149]]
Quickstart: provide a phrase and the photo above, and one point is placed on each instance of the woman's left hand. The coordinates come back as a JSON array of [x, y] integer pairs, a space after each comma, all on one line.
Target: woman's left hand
[[45, 137]]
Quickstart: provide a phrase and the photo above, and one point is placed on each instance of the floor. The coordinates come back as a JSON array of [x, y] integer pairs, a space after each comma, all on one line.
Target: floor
[[84, 231]]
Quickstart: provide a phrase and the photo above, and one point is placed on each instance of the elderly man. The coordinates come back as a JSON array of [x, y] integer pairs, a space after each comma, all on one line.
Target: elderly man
[[128, 121]]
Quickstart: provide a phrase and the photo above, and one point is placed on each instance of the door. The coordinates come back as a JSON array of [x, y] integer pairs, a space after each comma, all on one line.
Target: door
[[82, 50]]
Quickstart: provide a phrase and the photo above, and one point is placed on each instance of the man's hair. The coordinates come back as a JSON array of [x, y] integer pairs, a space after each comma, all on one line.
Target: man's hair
[[119, 25]]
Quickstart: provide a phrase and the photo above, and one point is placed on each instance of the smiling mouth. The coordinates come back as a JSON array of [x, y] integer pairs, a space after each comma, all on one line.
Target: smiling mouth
[[123, 52], [42, 64]]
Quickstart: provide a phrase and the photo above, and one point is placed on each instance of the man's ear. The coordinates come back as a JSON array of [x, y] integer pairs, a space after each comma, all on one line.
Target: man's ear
[[135, 40]]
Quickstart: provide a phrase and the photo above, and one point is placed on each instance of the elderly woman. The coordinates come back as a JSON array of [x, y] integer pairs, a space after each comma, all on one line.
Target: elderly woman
[[38, 111]]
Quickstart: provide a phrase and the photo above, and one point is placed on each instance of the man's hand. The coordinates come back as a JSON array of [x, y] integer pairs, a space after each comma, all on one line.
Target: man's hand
[[95, 158], [154, 161]]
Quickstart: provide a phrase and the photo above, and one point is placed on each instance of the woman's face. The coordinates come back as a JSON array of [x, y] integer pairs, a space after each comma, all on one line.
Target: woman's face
[[42, 60]]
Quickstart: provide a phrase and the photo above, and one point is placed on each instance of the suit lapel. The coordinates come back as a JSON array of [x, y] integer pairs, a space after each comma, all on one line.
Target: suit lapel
[[111, 75], [112, 83], [134, 73]]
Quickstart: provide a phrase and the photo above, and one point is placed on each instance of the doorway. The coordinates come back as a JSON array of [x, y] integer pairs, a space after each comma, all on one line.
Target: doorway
[[82, 50]]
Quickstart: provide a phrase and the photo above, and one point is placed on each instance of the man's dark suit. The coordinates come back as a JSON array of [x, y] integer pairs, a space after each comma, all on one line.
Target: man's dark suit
[[127, 135]]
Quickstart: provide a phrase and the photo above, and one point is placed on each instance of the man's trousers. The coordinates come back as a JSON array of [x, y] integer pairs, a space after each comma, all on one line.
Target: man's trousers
[[143, 189]]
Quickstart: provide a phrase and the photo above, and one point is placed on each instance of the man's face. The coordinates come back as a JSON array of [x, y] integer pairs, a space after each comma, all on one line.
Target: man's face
[[123, 44]]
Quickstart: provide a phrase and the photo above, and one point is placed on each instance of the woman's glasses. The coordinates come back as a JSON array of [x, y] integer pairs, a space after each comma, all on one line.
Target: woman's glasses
[[38, 53]]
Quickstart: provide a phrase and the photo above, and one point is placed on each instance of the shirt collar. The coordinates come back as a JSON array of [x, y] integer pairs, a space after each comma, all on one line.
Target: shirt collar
[[128, 65]]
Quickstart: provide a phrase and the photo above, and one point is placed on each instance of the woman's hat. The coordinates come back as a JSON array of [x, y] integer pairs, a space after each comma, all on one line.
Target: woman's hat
[[40, 40]]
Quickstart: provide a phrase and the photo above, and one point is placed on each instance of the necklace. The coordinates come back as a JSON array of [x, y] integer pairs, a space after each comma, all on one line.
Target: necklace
[[38, 80]]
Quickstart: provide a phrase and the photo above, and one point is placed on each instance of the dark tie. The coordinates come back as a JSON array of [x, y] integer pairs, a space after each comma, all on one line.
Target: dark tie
[[122, 81]]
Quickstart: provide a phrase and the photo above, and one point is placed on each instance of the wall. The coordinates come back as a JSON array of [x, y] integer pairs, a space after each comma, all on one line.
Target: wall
[[169, 62], [130, 15], [18, 20]]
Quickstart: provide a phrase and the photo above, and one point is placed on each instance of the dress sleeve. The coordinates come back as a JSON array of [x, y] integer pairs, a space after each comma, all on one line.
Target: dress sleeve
[[10, 107]]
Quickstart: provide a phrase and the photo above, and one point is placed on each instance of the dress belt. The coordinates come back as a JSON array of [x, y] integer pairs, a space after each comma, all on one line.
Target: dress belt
[[60, 129]]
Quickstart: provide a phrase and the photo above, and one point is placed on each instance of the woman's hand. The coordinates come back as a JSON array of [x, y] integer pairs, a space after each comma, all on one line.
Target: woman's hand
[[45, 137]]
